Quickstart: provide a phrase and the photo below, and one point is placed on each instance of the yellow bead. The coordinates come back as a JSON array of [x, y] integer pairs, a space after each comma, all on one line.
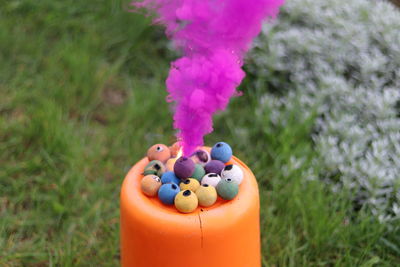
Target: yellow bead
[[189, 184], [207, 195], [186, 201], [150, 185]]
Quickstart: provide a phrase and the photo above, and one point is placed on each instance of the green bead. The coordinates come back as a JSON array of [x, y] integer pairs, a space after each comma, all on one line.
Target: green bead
[[199, 172], [227, 189], [155, 167]]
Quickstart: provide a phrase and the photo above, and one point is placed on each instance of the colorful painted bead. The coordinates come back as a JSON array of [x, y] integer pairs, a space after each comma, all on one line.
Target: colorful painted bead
[[170, 164], [167, 193], [227, 189], [207, 195], [159, 152], [214, 166], [211, 179], [184, 167], [221, 151], [199, 172], [189, 184], [186, 201], [234, 172], [150, 185], [155, 167], [170, 177], [201, 157], [175, 148]]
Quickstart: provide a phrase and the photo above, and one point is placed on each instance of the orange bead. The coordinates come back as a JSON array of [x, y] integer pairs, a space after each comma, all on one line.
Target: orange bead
[[159, 152], [150, 185], [170, 164], [175, 149]]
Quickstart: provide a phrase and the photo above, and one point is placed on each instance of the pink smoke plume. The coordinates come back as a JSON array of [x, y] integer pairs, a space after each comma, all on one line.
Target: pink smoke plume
[[214, 36]]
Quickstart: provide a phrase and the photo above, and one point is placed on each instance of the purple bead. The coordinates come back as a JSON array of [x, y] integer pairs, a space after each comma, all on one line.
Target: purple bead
[[184, 167], [214, 166]]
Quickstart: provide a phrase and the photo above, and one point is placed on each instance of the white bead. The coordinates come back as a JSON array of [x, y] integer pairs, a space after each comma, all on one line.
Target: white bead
[[234, 172], [211, 179]]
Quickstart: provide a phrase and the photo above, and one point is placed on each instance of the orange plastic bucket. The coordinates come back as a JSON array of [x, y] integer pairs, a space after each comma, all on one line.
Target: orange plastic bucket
[[156, 235]]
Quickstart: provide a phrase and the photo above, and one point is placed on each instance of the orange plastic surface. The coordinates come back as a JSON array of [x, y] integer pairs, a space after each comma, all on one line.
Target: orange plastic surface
[[156, 235]]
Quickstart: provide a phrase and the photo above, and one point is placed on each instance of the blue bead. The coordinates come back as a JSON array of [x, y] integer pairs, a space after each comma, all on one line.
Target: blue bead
[[167, 193], [221, 151], [170, 177]]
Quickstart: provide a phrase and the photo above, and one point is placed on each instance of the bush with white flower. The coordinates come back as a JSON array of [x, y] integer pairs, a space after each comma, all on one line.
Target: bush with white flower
[[340, 59]]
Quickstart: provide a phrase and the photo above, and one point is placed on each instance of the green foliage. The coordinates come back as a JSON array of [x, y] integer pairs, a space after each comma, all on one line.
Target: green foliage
[[81, 91], [342, 59], [81, 99], [303, 223]]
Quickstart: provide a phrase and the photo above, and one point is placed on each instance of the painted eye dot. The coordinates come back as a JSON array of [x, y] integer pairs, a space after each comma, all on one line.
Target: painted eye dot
[[157, 167], [205, 185], [229, 180], [219, 145], [228, 167], [159, 149], [174, 186], [157, 179], [186, 181], [213, 175], [186, 193]]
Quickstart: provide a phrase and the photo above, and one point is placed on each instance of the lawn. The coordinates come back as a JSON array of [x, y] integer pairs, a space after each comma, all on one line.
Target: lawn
[[82, 97]]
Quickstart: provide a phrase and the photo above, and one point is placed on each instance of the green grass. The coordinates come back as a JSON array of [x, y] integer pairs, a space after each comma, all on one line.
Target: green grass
[[82, 98]]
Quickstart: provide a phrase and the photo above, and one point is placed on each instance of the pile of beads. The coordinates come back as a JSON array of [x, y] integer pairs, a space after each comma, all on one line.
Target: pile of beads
[[188, 182]]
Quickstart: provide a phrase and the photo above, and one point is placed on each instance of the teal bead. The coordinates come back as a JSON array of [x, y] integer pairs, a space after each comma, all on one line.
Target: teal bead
[[199, 172], [154, 167], [227, 189]]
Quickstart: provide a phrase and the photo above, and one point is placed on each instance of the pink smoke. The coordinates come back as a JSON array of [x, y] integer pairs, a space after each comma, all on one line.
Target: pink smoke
[[213, 35]]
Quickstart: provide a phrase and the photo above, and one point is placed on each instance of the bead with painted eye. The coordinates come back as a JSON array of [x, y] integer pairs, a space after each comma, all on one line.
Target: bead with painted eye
[[234, 172], [227, 189], [186, 201], [211, 179], [189, 184], [221, 151], [214, 166], [199, 172], [159, 152], [170, 177], [207, 195], [184, 167], [155, 167], [167, 193], [201, 157], [150, 185]]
